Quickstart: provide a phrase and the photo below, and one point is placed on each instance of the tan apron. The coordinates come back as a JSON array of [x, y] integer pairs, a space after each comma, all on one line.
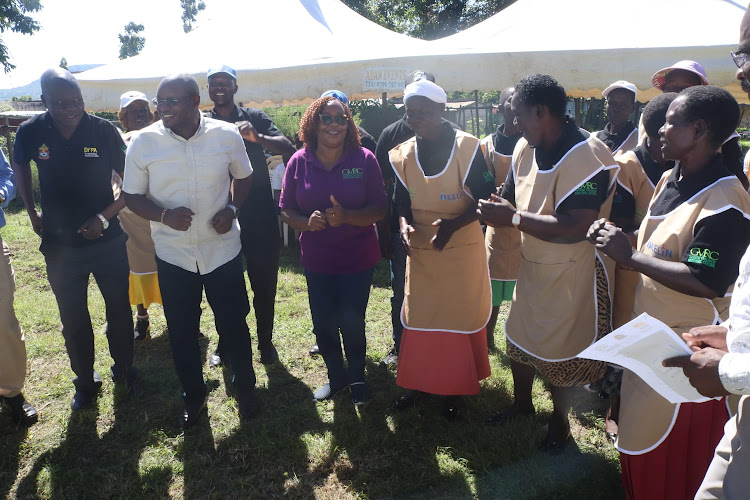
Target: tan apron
[[554, 311], [628, 144], [503, 244], [447, 290], [632, 178], [140, 246], [645, 417]]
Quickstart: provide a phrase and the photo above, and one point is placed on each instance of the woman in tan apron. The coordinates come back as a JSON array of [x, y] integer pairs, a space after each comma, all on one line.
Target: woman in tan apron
[[144, 284], [562, 180], [688, 252], [441, 173], [640, 171], [503, 244]]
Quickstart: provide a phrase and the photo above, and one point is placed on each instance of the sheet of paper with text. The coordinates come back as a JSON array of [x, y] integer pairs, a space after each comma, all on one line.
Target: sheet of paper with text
[[640, 346]]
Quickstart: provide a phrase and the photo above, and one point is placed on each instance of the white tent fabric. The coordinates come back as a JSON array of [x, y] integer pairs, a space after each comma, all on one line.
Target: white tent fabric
[[587, 44], [321, 44], [284, 51]]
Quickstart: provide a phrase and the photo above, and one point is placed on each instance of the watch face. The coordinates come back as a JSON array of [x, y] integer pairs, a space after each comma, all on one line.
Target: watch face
[[516, 219]]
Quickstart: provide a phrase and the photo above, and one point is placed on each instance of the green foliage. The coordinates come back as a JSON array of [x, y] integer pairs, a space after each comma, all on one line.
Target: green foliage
[[107, 115], [190, 9], [286, 118], [427, 19], [131, 43], [21, 98], [64, 63], [13, 17]]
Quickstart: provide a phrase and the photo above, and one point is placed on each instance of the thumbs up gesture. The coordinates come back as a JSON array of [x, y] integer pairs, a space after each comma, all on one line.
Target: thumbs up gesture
[[336, 215]]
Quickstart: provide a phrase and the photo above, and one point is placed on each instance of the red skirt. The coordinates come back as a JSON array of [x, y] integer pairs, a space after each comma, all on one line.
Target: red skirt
[[675, 469], [444, 363]]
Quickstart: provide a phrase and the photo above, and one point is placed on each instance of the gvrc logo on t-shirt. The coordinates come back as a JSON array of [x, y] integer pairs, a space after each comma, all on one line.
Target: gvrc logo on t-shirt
[[352, 173], [90, 152], [587, 188], [707, 257]]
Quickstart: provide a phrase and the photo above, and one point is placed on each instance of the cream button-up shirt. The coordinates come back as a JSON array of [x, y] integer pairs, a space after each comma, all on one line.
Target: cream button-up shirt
[[734, 368], [193, 173]]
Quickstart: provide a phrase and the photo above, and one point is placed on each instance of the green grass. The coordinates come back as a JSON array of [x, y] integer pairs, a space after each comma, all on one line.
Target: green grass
[[131, 448]]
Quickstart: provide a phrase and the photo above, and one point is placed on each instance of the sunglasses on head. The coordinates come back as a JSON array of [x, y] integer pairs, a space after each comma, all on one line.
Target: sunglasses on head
[[339, 119]]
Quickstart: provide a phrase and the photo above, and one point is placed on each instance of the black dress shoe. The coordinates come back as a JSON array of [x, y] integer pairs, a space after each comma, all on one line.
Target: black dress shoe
[[21, 411], [314, 350], [249, 404], [555, 446], [268, 354], [407, 400], [214, 360], [83, 399], [191, 414], [127, 377]]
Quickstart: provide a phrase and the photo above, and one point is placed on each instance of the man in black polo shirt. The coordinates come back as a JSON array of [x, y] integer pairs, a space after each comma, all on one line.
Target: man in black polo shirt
[[257, 216], [75, 155], [619, 134], [390, 241]]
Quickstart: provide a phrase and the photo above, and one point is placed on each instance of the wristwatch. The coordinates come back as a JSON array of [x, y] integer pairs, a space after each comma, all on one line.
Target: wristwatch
[[105, 222], [234, 209], [516, 219]]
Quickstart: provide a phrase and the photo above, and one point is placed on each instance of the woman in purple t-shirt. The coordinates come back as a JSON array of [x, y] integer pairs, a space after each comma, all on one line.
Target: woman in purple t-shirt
[[333, 193]]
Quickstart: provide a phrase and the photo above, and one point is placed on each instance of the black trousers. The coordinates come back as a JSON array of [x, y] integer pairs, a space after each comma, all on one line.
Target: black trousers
[[261, 246], [181, 293], [68, 271]]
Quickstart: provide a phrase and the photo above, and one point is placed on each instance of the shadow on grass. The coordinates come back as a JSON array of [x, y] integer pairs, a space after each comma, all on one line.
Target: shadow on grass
[[12, 437], [85, 464]]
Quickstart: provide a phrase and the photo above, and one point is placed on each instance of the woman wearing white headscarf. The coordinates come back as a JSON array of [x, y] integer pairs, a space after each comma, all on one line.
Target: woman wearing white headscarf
[[441, 174]]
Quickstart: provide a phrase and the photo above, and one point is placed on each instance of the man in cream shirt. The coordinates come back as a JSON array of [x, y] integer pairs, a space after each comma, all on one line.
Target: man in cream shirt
[[196, 173]]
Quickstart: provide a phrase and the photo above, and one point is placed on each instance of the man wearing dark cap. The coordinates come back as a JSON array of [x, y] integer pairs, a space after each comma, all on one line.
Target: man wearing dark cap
[[257, 216], [388, 230], [75, 154]]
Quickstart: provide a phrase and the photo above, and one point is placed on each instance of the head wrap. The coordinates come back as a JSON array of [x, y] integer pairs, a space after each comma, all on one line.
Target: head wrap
[[426, 88], [338, 95]]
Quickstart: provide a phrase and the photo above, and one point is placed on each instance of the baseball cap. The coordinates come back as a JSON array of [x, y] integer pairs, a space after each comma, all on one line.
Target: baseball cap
[[222, 69], [338, 95], [130, 96], [621, 84], [660, 77], [418, 75]]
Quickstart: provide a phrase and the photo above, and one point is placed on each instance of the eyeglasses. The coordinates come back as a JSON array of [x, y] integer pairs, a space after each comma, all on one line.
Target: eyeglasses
[[739, 59], [68, 103], [339, 119], [160, 103]]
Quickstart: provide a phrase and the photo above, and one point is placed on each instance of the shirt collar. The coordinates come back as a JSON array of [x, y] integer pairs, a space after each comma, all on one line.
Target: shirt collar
[[712, 172], [233, 117], [201, 129], [311, 158]]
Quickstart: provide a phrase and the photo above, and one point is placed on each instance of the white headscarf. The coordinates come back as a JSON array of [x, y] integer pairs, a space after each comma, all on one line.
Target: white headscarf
[[427, 89]]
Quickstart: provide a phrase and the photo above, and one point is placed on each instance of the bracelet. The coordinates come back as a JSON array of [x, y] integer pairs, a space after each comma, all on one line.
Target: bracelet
[[163, 213], [234, 209]]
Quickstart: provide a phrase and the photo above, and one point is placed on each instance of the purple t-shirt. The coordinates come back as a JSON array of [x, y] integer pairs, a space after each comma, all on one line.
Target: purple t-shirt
[[356, 182]]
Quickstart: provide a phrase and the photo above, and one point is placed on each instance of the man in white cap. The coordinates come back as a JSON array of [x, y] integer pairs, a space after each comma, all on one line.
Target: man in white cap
[[619, 134], [257, 216]]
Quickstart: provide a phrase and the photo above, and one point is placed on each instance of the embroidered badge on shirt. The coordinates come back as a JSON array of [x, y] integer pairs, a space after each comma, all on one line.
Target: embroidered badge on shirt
[[43, 152], [90, 152], [352, 173]]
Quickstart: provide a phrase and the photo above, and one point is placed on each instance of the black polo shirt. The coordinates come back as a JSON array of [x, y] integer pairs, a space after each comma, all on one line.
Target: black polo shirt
[[259, 206], [654, 170], [367, 141], [505, 144], [580, 199], [75, 175], [391, 136], [725, 235], [612, 140]]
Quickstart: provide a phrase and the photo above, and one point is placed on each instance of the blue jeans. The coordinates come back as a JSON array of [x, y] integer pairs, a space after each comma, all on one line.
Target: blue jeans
[[398, 278], [338, 302]]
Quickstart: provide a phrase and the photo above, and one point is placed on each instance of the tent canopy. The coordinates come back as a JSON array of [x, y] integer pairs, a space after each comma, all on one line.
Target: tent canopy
[[270, 44], [315, 45]]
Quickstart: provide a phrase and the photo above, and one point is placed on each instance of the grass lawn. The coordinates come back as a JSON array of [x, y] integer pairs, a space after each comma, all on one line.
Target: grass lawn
[[131, 447]]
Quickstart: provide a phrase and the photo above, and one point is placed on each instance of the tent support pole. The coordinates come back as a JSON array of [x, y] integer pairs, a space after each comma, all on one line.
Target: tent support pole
[[476, 107], [383, 103]]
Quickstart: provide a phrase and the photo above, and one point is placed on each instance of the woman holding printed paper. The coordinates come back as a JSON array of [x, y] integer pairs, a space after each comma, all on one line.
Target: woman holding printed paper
[[688, 251]]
